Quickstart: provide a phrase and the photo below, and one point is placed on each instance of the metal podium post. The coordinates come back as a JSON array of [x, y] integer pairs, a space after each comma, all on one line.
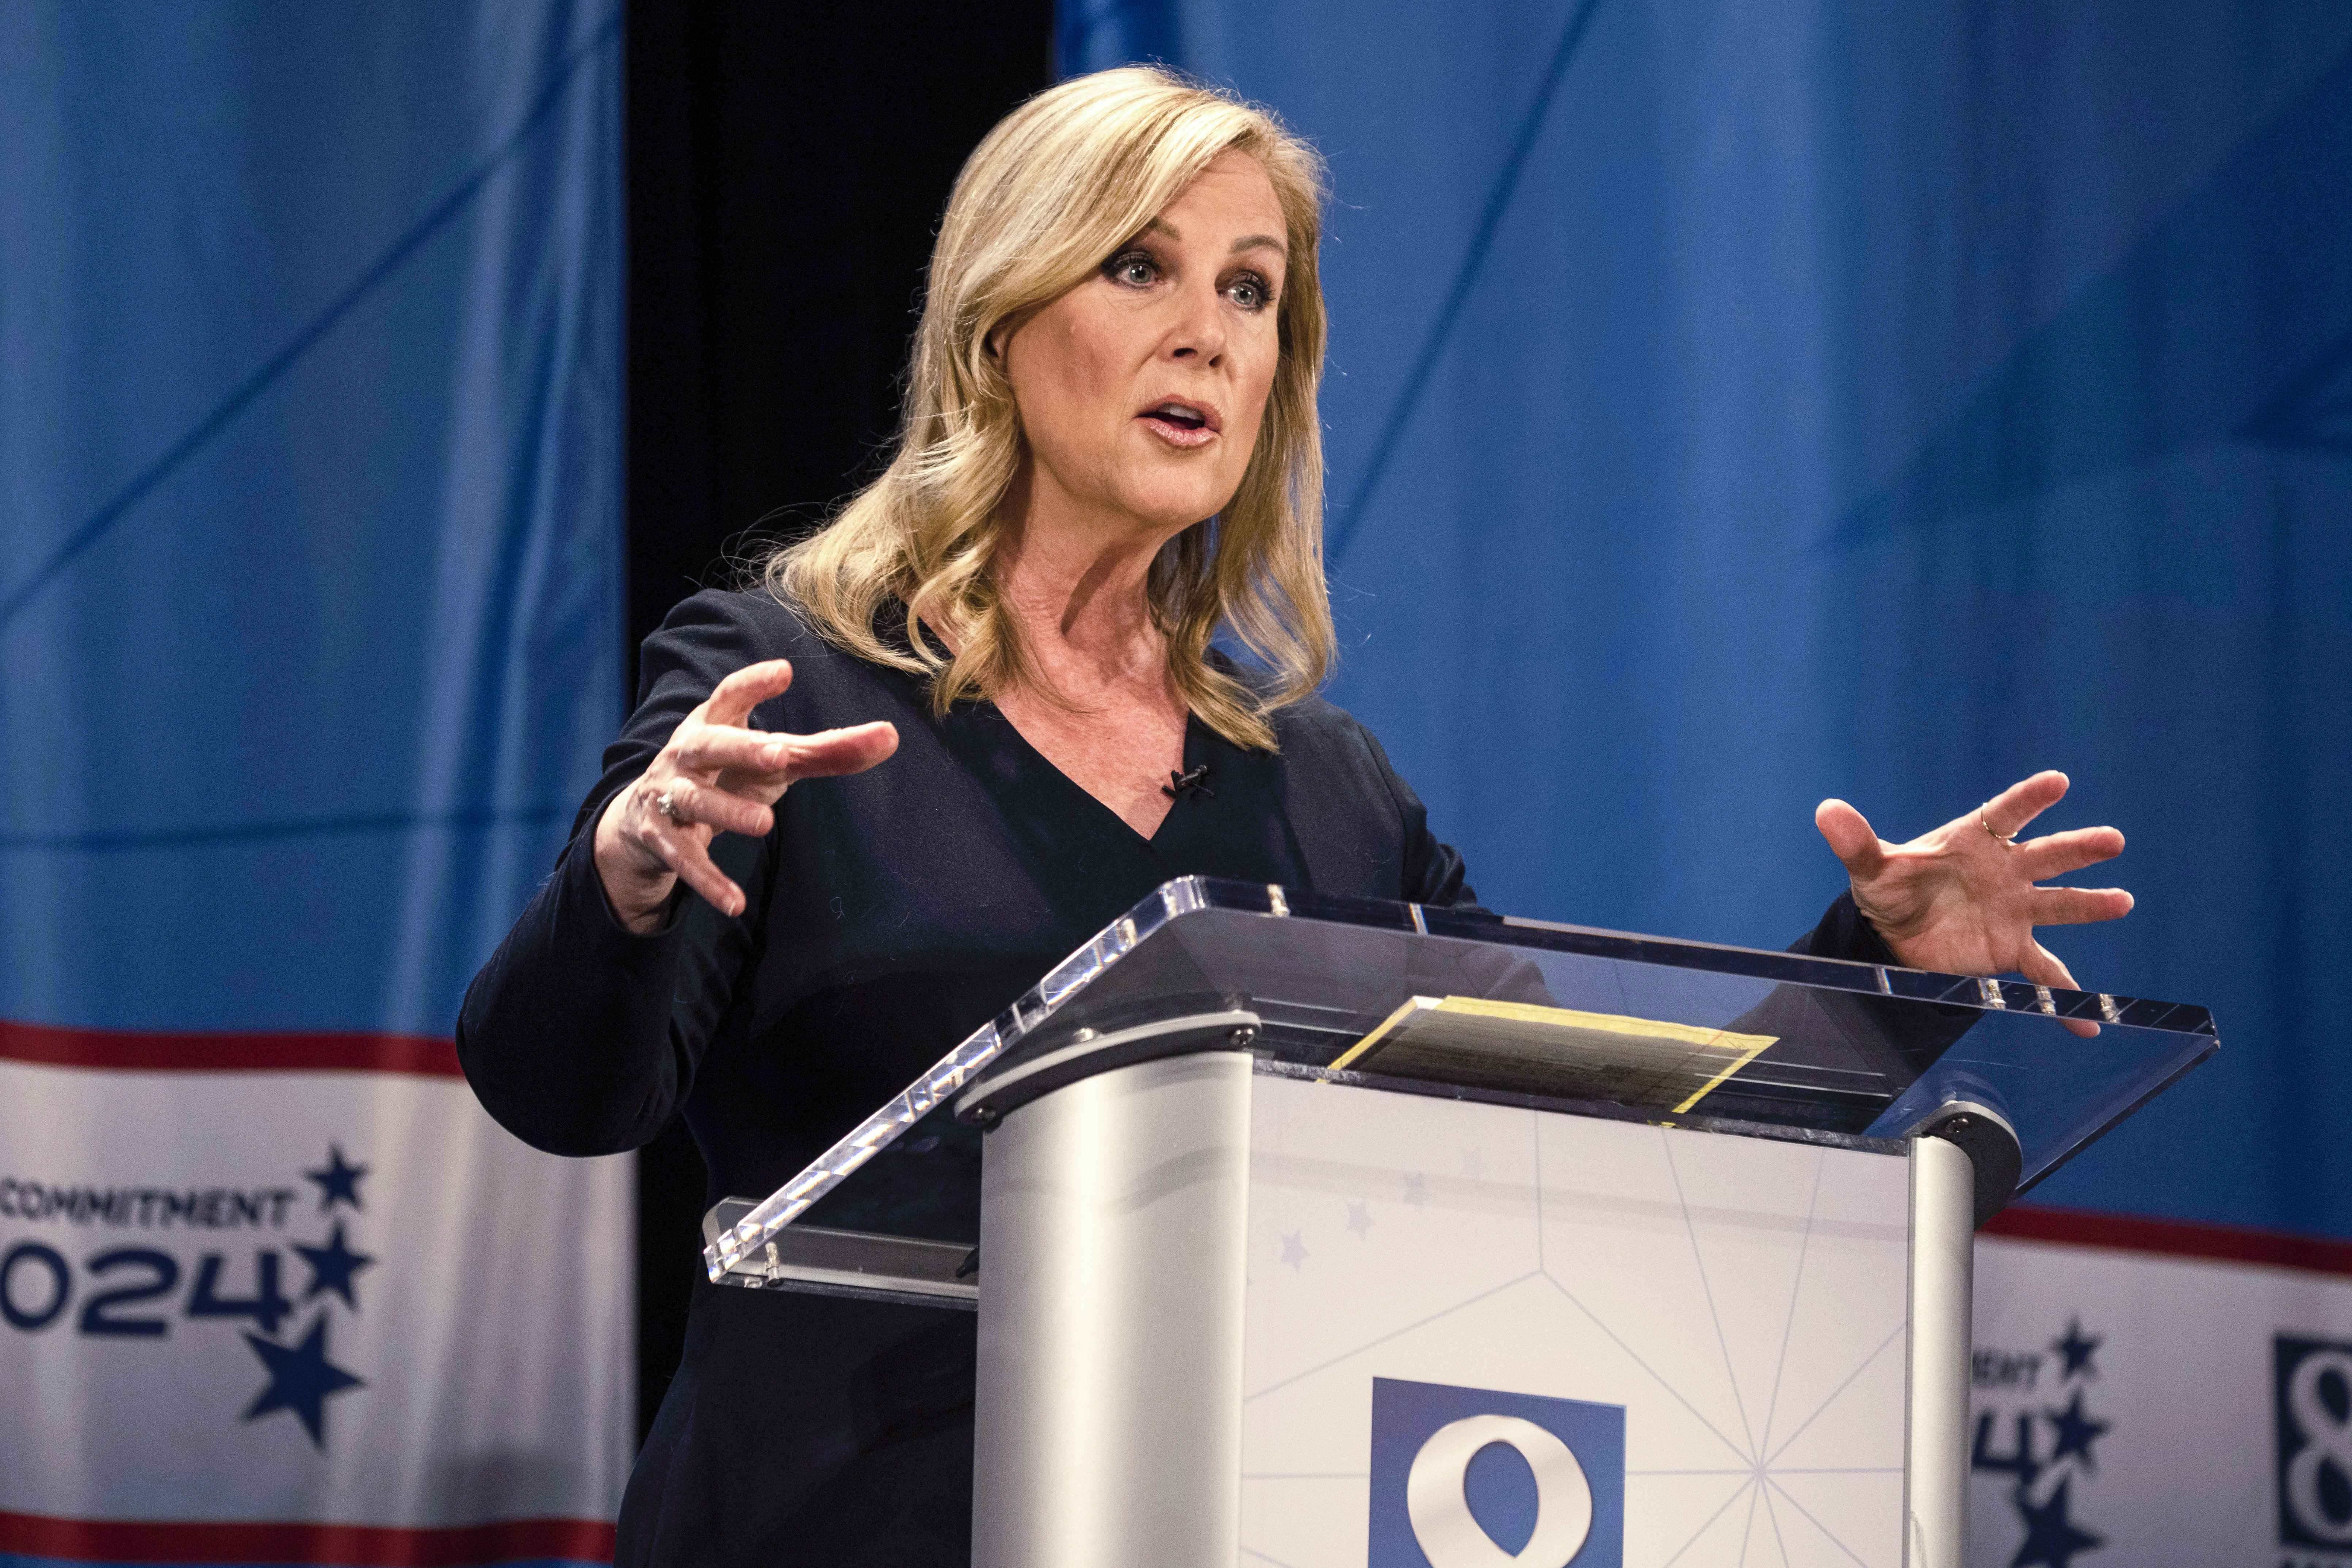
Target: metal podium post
[[1110, 1329], [1942, 1275]]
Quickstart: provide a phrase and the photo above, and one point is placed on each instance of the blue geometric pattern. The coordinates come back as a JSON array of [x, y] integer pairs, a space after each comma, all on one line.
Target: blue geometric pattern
[[1734, 405], [309, 504]]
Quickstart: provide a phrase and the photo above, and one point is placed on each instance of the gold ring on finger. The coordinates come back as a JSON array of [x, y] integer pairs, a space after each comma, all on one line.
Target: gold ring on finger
[[2006, 840]]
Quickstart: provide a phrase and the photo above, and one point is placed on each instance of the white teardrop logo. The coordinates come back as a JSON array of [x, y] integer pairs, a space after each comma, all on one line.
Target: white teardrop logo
[[1440, 1511]]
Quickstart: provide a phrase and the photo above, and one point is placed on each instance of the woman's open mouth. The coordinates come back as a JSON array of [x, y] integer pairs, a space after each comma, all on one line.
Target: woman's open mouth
[[1181, 424]]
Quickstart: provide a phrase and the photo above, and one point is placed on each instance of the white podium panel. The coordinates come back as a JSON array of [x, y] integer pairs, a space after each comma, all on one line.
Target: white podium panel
[[1713, 1327]]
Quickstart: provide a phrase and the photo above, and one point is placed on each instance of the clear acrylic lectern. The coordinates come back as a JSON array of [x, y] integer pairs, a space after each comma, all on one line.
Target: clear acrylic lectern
[[1281, 1211]]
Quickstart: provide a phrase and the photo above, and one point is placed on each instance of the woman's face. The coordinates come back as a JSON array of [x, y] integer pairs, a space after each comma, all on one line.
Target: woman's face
[[1140, 390]]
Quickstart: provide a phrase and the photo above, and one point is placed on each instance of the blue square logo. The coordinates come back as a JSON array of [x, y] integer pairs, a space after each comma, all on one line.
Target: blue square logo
[[1475, 1478]]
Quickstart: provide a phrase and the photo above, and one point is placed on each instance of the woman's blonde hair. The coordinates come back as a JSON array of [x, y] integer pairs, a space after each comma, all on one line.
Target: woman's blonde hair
[[1061, 183]]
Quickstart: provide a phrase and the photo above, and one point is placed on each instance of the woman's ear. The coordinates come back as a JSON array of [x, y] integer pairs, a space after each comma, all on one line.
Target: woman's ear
[[993, 341]]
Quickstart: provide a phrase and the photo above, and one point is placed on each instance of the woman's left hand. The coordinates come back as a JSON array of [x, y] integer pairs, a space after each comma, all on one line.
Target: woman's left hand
[[1962, 899]]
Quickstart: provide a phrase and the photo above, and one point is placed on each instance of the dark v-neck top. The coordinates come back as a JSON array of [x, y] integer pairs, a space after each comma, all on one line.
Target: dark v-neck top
[[888, 915]]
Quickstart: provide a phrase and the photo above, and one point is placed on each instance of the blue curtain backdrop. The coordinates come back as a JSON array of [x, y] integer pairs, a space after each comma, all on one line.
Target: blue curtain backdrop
[[1734, 403], [310, 498]]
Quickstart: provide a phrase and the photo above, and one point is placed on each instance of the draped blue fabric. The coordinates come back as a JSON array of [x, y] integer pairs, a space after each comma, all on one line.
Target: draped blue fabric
[[310, 498], [1734, 403]]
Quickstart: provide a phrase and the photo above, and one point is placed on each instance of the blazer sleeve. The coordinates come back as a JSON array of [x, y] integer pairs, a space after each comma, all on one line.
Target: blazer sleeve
[[1844, 931], [1433, 872], [579, 1036]]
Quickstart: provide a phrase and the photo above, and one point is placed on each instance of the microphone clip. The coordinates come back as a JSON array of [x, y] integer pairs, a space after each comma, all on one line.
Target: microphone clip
[[1179, 783]]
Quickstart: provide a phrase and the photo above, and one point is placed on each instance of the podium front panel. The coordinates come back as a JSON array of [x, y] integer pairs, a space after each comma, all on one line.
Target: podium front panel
[[1713, 1328]]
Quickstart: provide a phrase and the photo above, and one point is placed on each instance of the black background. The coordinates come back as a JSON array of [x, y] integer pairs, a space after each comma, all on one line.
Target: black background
[[787, 165]]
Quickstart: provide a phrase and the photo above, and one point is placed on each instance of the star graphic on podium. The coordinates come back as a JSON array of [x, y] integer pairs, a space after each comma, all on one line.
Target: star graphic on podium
[[338, 1183], [1294, 1251], [2051, 1538], [2077, 1432], [2078, 1349], [300, 1379], [332, 1266], [1360, 1220]]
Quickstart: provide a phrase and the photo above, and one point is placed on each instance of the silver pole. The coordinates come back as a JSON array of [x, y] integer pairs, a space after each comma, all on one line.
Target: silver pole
[[1943, 1259], [1112, 1221]]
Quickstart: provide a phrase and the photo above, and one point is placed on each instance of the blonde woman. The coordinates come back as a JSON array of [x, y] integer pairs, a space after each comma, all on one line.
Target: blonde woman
[[993, 677]]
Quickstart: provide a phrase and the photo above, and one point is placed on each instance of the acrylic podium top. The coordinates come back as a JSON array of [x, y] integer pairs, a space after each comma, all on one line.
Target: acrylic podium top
[[1472, 1005]]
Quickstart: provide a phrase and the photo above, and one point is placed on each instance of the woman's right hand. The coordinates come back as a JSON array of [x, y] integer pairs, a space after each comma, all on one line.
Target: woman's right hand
[[715, 775]]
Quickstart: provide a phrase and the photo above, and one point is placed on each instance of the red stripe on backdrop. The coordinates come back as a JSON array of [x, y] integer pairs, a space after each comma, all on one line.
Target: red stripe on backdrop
[[334, 1545], [127, 1050], [2173, 1238]]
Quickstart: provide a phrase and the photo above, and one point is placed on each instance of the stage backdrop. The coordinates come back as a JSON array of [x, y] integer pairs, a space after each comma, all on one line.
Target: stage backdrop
[[310, 416], [1734, 403]]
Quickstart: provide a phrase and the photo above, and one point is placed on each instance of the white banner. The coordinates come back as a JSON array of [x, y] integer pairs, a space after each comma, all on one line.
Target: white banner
[[243, 1309], [2146, 1409]]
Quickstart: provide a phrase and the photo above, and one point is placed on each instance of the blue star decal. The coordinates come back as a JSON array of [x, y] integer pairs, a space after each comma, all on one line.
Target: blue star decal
[[2078, 1349], [338, 1183], [1294, 1251], [2051, 1538], [300, 1379], [332, 1266], [2077, 1432]]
